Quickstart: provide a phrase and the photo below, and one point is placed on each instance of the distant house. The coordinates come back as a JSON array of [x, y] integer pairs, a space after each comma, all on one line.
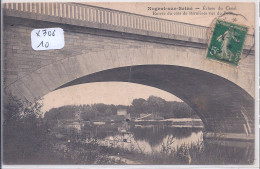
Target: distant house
[[75, 125], [123, 112]]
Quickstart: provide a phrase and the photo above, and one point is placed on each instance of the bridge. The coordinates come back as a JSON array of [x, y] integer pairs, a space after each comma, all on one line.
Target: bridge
[[104, 45]]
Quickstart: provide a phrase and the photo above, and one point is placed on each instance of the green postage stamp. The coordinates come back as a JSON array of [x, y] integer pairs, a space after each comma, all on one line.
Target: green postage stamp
[[227, 42]]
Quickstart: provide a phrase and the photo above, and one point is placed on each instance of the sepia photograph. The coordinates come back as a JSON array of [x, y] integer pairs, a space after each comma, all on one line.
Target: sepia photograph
[[129, 83]]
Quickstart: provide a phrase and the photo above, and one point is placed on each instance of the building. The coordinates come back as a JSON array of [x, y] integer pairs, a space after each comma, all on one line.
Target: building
[[123, 112]]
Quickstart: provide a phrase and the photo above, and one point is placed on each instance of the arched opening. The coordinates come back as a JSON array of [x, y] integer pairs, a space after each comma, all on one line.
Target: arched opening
[[222, 105], [155, 117]]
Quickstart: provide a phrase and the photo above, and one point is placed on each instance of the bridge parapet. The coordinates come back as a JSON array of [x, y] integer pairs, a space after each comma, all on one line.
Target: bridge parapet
[[108, 19]]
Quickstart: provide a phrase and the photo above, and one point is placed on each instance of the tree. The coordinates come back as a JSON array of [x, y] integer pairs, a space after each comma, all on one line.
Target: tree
[[23, 133], [88, 113], [136, 107], [155, 104]]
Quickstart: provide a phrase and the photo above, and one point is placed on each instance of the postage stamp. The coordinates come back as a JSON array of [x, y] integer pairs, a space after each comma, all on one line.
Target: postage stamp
[[227, 42]]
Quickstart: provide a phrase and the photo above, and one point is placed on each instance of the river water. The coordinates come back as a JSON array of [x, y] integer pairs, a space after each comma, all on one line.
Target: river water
[[168, 144], [153, 138]]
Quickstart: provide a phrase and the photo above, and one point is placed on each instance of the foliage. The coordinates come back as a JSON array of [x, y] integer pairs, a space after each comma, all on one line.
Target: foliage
[[167, 109], [100, 111], [23, 135], [28, 141]]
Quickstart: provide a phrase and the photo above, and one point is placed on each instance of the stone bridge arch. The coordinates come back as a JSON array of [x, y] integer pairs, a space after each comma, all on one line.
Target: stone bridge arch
[[221, 94]]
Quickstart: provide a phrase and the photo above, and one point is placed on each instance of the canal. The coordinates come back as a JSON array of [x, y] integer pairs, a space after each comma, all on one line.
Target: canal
[[163, 144]]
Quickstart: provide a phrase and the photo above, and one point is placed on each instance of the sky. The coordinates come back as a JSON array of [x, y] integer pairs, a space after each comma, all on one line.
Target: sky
[[102, 92]]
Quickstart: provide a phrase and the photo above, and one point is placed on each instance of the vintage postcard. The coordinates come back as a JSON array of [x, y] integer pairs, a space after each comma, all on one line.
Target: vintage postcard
[[129, 83]]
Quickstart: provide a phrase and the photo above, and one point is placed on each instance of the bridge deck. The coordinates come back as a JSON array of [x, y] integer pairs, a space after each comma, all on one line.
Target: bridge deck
[[102, 18]]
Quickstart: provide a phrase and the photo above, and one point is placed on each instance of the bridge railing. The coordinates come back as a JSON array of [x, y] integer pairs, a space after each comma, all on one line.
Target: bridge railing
[[114, 18]]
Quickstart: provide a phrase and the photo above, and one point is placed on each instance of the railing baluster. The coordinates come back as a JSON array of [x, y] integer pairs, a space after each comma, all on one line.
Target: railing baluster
[[39, 8], [87, 14], [42, 8], [80, 13], [94, 15], [123, 20], [113, 18], [144, 21], [72, 12], [110, 17], [107, 17], [76, 12], [165, 27], [136, 22], [91, 15], [20, 6], [25, 8], [127, 21], [69, 11], [130, 21], [133, 21], [61, 10], [51, 8], [36, 7], [98, 16], [84, 14], [65, 10], [149, 25], [46, 8], [57, 9], [54, 9], [103, 16], [118, 19], [12, 5]]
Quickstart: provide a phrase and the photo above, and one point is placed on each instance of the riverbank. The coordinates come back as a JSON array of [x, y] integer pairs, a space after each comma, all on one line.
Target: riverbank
[[177, 122]]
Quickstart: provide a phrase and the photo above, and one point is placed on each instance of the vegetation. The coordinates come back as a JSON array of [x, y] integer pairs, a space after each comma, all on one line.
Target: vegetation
[[27, 139], [167, 109], [103, 112], [23, 133]]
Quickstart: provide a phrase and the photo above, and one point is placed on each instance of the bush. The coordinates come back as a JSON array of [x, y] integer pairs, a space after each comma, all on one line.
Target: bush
[[23, 132]]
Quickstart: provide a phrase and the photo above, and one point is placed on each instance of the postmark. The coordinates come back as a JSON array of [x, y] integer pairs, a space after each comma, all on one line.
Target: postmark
[[227, 41]]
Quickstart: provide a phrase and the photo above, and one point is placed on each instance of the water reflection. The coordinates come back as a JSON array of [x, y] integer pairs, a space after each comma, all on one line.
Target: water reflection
[[168, 144], [155, 134], [145, 139]]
